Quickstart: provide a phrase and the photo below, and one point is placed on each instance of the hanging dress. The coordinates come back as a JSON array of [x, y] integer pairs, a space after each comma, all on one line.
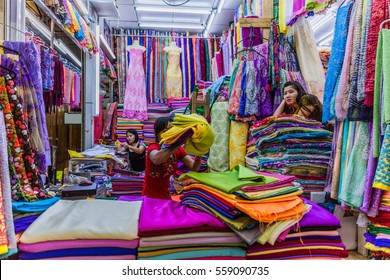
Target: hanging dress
[[174, 79], [135, 105]]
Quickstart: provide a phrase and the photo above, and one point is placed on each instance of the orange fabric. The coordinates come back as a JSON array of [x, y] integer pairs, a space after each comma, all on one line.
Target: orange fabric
[[266, 211]]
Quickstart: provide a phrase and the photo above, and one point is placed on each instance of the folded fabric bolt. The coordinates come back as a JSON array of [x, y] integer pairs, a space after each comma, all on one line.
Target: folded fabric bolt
[[199, 142]]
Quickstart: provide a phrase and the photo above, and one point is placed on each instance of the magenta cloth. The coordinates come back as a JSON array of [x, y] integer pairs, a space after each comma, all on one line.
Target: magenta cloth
[[119, 257], [317, 217], [190, 241], [77, 243], [168, 215], [282, 181], [283, 235], [251, 35], [218, 258]]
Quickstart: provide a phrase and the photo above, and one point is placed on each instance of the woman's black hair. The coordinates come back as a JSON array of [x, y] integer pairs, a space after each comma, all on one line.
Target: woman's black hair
[[316, 113], [134, 132], [298, 87], [159, 125]]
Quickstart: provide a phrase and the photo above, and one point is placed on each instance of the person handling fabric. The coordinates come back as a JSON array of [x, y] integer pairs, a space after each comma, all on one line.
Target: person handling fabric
[[136, 150], [297, 101], [162, 162]]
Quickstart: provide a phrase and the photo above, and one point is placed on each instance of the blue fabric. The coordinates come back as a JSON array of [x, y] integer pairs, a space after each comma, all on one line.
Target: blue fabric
[[207, 204], [241, 110], [22, 224], [36, 206], [216, 86], [98, 251], [79, 35], [335, 61], [217, 202]]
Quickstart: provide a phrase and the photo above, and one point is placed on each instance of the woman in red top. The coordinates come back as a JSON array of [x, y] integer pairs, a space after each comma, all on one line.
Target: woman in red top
[[162, 163]]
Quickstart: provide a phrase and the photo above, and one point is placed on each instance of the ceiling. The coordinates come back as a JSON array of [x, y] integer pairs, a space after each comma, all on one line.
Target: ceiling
[[131, 18]]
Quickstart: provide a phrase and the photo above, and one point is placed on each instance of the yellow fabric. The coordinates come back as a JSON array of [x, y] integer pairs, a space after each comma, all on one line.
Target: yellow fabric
[[381, 186], [372, 247], [74, 154], [174, 84], [3, 249], [237, 143], [201, 140], [282, 16]]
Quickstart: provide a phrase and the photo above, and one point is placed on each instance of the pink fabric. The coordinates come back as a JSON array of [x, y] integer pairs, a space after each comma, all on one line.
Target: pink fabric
[[314, 232], [218, 58], [135, 105], [78, 243], [190, 241], [119, 257], [161, 214]]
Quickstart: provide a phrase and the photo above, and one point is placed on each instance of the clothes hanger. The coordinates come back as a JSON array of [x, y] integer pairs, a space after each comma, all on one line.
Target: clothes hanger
[[9, 49], [383, 22], [247, 49], [9, 70]]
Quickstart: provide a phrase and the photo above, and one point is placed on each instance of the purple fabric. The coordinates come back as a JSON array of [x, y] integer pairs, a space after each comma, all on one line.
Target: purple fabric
[[370, 174], [317, 217], [131, 198], [251, 35], [22, 224], [375, 202], [30, 55], [160, 214], [77, 243]]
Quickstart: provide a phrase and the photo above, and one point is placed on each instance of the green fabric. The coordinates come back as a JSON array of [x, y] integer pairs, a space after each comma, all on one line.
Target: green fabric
[[355, 176], [230, 181], [218, 160], [234, 74], [206, 47], [375, 230], [155, 248], [382, 70]]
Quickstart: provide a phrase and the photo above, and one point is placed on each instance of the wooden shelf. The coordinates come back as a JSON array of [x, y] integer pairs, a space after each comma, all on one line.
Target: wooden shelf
[[255, 22]]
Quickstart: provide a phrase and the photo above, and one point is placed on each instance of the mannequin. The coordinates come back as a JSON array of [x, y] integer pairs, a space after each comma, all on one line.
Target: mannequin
[[172, 47], [174, 80], [136, 45]]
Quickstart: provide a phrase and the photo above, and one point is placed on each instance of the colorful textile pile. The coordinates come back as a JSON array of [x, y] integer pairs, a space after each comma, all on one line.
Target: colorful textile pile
[[378, 235], [314, 237], [91, 229], [126, 183], [155, 110], [252, 204], [291, 145], [123, 124], [166, 235]]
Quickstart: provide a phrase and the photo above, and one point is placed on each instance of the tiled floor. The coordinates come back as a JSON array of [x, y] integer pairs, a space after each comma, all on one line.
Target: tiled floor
[[353, 255]]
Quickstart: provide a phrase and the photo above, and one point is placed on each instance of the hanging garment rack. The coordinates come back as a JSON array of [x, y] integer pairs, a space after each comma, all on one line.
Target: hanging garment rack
[[250, 48], [163, 36]]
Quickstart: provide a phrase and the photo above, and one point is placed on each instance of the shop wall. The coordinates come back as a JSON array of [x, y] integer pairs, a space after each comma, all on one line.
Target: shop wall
[[2, 19]]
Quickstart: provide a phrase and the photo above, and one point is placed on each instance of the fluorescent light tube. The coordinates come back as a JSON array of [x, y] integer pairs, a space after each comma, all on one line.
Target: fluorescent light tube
[[209, 23], [167, 9], [220, 5], [171, 25], [80, 7]]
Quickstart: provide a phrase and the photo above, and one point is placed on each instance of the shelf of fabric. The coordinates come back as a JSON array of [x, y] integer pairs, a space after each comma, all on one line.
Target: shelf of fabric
[[106, 48]]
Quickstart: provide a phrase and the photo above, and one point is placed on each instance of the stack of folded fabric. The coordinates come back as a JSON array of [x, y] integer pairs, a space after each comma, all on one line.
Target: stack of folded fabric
[[291, 145], [169, 230], [175, 103], [155, 110], [378, 236], [83, 229], [123, 124], [126, 183], [251, 204], [315, 236]]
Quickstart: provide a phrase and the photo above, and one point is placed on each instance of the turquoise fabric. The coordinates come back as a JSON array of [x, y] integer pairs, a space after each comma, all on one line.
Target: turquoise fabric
[[230, 181], [36, 206]]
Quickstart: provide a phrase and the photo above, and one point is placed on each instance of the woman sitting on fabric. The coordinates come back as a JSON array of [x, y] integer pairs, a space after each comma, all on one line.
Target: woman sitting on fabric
[[297, 101], [136, 150]]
